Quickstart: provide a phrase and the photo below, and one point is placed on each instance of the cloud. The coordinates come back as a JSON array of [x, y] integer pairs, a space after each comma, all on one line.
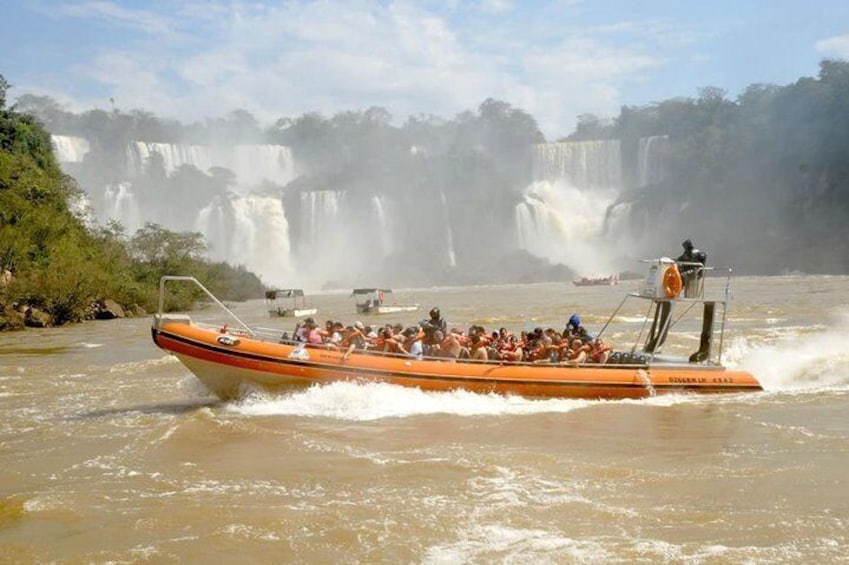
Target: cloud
[[115, 14], [496, 6], [837, 45], [208, 58]]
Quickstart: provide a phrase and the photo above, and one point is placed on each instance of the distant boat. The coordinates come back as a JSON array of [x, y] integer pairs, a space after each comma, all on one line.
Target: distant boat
[[296, 309], [597, 281], [379, 301]]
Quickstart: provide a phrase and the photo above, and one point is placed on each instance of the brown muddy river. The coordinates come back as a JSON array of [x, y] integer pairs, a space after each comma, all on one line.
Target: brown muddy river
[[111, 451]]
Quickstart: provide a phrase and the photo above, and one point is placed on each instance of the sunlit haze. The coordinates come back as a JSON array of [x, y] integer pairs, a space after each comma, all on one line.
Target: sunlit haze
[[555, 60]]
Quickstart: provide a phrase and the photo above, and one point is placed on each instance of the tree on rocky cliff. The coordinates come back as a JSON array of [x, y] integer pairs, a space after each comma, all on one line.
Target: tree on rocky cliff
[[4, 87], [52, 263]]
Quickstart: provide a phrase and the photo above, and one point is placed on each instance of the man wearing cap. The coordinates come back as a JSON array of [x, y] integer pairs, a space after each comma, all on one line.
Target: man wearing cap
[[691, 266], [574, 329]]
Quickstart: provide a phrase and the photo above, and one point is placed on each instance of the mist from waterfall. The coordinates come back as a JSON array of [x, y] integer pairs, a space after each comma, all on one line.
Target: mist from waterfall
[[566, 214], [562, 214], [346, 236], [252, 164], [251, 231], [70, 149], [119, 202], [246, 227]]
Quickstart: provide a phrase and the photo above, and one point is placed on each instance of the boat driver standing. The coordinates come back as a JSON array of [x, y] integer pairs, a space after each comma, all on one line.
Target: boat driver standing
[[691, 274], [436, 322]]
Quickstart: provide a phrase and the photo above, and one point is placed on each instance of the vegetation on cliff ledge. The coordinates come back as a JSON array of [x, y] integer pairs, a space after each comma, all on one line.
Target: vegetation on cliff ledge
[[55, 269]]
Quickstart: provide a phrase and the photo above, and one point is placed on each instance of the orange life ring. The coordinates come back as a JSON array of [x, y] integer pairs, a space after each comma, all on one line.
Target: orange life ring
[[672, 282]]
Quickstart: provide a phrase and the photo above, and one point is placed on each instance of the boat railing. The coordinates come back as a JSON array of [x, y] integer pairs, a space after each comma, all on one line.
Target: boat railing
[[711, 283], [664, 313], [182, 278]]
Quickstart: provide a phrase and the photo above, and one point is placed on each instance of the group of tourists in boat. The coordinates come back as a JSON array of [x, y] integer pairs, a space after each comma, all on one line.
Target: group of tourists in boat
[[432, 338], [535, 363]]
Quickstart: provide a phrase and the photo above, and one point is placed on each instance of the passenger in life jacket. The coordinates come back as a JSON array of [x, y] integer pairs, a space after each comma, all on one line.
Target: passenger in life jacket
[[352, 340], [386, 342], [578, 352], [412, 345], [445, 345], [512, 350], [600, 351], [691, 266], [478, 347]]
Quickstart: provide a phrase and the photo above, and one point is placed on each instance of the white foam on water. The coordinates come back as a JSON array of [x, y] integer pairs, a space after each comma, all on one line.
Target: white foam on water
[[630, 319], [511, 487], [484, 543], [132, 367], [190, 386], [797, 361], [373, 401]]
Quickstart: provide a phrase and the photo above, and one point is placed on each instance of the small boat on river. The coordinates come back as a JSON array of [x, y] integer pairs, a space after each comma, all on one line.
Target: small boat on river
[[379, 301], [226, 356], [597, 281], [297, 307]]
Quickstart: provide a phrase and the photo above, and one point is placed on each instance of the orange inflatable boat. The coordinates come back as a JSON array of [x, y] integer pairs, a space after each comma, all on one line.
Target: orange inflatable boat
[[226, 359]]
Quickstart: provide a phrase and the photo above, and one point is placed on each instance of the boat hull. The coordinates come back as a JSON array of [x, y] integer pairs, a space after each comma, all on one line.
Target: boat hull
[[610, 281], [225, 363], [386, 309]]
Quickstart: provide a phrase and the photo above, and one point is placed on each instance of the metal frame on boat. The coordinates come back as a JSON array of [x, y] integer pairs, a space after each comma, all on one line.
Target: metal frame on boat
[[226, 357]]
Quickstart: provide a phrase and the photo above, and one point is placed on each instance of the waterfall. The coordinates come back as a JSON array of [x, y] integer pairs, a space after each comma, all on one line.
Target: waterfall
[[650, 153], [561, 216], [252, 164], [584, 164], [382, 225], [252, 231], [320, 227], [449, 235], [561, 222], [245, 228], [119, 203], [69, 149], [173, 156]]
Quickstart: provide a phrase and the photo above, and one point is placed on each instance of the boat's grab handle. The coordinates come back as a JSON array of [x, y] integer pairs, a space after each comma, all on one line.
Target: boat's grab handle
[[211, 296]]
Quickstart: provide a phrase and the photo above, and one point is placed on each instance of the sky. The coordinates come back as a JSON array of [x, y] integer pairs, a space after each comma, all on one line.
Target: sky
[[556, 60]]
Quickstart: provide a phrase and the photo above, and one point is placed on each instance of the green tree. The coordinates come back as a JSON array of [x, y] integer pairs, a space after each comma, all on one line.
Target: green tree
[[4, 88]]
